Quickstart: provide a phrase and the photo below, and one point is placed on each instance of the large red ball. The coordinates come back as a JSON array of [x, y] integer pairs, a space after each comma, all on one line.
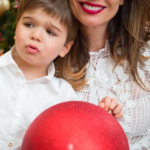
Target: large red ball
[[75, 126]]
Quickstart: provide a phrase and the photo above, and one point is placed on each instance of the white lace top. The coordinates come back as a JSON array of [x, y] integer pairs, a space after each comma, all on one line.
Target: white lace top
[[119, 85]]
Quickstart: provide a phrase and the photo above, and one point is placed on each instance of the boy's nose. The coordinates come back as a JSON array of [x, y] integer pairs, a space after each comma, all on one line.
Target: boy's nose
[[36, 35]]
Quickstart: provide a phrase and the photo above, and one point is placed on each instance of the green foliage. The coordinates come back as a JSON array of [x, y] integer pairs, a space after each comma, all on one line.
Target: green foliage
[[7, 27]]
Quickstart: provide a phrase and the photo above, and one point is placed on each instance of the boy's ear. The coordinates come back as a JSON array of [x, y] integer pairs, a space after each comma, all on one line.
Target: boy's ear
[[66, 49], [121, 2]]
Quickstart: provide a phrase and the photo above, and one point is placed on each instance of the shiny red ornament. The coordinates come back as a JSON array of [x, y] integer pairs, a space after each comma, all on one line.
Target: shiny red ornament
[[75, 126]]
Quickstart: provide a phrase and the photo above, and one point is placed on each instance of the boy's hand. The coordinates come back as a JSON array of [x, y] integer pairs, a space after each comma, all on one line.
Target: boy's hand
[[110, 104]]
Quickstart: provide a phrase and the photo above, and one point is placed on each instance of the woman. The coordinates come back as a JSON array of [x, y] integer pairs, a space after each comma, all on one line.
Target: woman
[[113, 42]]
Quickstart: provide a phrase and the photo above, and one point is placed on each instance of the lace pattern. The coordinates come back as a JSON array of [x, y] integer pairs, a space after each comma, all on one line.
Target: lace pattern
[[119, 84]]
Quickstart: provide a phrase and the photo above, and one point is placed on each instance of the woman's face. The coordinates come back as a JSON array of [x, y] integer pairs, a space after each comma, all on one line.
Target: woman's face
[[94, 13]]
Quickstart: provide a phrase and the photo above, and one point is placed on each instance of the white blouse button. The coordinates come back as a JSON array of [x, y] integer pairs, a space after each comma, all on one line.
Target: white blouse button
[[24, 86], [10, 144], [17, 115], [18, 73]]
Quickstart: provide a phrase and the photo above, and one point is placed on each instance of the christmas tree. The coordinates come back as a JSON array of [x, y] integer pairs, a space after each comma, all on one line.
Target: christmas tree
[[8, 9]]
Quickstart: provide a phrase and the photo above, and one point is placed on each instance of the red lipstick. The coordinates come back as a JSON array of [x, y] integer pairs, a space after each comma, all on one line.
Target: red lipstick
[[91, 11], [32, 49]]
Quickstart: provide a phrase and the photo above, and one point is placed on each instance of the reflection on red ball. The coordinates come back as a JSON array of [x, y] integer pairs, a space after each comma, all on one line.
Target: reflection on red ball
[[75, 126]]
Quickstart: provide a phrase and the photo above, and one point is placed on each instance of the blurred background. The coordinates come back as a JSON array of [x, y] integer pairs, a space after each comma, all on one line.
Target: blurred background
[[8, 9]]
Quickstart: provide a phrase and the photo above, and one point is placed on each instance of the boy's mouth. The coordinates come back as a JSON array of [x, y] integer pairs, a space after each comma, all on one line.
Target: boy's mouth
[[32, 49]]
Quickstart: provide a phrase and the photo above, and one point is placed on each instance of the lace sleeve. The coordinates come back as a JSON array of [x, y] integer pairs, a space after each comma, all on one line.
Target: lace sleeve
[[143, 144]]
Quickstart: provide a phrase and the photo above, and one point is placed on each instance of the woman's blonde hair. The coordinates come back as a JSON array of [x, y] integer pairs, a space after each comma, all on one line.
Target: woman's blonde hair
[[130, 30]]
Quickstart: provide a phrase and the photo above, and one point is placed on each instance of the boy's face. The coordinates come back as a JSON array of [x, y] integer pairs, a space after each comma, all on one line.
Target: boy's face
[[40, 38]]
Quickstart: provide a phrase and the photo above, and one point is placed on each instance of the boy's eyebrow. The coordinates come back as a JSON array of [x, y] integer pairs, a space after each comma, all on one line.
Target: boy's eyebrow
[[53, 26]]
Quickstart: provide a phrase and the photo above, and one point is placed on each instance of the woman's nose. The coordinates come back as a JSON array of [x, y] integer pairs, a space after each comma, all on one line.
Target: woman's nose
[[36, 35]]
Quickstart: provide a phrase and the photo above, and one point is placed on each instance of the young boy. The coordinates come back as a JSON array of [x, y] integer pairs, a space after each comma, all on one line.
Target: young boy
[[45, 29]]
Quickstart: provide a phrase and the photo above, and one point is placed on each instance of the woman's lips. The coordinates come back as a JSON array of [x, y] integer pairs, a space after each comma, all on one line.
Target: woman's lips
[[32, 49], [91, 8]]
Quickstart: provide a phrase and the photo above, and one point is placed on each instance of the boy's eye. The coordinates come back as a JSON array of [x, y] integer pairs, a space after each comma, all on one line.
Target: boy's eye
[[29, 25], [50, 32]]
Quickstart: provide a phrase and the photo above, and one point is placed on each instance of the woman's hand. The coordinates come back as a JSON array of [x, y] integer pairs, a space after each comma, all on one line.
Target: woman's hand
[[111, 105]]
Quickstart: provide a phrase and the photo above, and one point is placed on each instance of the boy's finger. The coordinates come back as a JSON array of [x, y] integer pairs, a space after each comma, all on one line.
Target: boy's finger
[[101, 104], [118, 116], [117, 110], [113, 104], [107, 101]]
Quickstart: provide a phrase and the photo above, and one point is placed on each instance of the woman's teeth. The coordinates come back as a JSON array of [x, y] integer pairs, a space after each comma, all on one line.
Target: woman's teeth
[[92, 7]]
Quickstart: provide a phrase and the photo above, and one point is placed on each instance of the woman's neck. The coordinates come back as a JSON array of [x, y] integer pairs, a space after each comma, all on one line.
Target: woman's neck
[[96, 36]]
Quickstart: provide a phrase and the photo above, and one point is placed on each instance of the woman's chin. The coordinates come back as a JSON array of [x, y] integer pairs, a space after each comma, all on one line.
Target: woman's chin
[[91, 22]]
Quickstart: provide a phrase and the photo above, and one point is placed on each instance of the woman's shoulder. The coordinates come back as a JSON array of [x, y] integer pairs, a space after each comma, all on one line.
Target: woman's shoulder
[[145, 51], [144, 69]]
